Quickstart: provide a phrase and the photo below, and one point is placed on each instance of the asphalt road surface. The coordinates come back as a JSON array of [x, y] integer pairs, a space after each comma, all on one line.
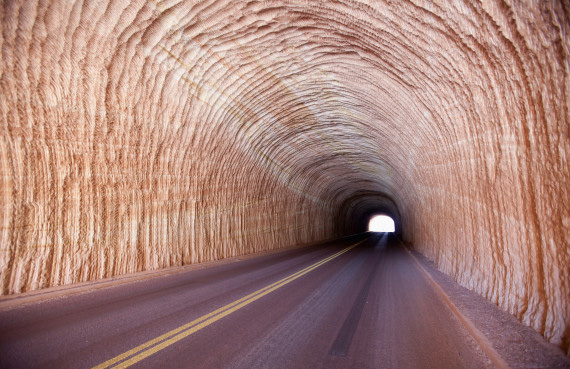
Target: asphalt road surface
[[355, 303]]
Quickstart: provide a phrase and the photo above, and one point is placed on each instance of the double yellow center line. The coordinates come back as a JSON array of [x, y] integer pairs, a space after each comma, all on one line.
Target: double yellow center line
[[151, 347]]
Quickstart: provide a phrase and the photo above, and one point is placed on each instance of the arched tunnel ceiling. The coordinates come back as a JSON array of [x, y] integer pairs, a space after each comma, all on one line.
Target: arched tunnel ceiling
[[144, 134]]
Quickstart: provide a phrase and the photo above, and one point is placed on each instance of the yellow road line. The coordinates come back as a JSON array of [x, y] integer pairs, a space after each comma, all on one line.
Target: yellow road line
[[153, 346]]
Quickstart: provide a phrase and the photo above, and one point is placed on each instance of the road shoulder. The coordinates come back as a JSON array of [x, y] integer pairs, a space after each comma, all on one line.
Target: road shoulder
[[518, 345]]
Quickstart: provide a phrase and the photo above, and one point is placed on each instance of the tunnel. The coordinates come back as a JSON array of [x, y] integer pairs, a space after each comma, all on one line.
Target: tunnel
[[149, 134]]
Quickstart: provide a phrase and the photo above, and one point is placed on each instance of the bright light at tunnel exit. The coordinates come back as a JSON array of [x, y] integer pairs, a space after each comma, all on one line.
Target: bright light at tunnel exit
[[381, 223]]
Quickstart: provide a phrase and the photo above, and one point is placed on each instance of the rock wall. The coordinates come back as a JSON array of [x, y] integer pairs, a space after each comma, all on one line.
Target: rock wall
[[144, 134]]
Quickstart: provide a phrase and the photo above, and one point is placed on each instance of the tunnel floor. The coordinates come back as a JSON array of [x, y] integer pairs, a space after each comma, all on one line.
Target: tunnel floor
[[361, 302]]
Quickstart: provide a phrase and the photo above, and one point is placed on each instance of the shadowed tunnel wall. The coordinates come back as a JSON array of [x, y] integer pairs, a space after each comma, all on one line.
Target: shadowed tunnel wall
[[143, 134]]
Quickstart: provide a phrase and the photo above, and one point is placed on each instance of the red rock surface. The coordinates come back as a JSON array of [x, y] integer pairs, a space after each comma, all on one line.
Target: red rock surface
[[138, 135]]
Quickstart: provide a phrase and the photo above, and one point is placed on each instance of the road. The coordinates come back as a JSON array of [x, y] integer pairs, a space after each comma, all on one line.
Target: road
[[355, 303]]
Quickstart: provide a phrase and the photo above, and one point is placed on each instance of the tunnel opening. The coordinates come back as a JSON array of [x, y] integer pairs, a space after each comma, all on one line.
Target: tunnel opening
[[381, 223], [356, 212]]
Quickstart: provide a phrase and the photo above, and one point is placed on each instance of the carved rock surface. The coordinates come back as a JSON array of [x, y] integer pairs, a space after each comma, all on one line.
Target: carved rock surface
[[143, 134]]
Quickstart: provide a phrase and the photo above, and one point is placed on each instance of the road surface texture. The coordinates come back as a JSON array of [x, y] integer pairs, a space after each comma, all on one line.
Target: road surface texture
[[360, 302]]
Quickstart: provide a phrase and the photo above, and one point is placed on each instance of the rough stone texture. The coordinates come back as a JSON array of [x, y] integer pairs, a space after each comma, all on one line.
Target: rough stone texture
[[142, 134]]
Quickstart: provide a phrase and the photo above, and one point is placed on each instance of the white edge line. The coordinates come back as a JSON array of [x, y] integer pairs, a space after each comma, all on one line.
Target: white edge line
[[479, 337]]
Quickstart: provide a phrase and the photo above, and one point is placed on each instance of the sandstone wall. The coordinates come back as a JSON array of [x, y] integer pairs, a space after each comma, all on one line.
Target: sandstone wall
[[137, 135]]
